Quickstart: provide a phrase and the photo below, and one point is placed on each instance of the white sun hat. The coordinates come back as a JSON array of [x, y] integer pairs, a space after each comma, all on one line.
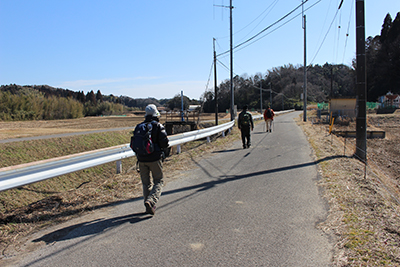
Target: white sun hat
[[152, 110]]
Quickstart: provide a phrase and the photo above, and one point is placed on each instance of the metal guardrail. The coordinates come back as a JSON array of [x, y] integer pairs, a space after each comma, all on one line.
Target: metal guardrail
[[19, 175]]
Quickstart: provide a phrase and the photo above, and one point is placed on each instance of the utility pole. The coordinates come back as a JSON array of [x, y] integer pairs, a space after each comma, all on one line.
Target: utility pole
[[215, 84], [182, 111], [261, 100], [270, 95], [331, 81], [305, 67], [361, 120], [231, 56]]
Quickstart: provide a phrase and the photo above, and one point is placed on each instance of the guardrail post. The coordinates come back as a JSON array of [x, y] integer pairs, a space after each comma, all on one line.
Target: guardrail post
[[208, 139], [223, 133], [119, 166], [178, 149]]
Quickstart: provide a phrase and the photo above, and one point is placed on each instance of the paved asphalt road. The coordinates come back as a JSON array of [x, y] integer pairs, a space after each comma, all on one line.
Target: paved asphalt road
[[239, 207]]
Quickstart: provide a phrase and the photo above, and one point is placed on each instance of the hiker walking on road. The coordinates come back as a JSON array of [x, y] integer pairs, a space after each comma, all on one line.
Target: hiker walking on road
[[245, 123], [269, 117], [150, 156]]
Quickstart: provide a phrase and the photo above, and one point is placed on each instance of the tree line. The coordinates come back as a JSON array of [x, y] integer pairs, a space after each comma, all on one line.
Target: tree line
[[283, 86], [383, 59], [48, 103], [43, 102]]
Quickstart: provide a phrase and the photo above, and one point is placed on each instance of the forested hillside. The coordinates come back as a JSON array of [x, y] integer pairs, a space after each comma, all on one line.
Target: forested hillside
[[286, 84], [48, 103], [383, 59]]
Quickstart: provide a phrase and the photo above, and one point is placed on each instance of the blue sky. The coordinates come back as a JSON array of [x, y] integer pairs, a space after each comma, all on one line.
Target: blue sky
[[159, 48]]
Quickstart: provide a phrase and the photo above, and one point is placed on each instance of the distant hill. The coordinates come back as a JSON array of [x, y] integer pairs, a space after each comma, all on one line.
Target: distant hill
[[80, 96], [43, 102]]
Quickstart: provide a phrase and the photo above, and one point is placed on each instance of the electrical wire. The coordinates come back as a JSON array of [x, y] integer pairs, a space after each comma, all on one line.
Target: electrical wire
[[348, 30], [323, 25], [265, 29], [330, 26], [279, 26], [209, 76], [339, 28], [273, 4]]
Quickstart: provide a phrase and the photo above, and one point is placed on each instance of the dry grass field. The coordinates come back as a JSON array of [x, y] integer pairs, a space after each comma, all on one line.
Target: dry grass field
[[18, 129], [364, 199]]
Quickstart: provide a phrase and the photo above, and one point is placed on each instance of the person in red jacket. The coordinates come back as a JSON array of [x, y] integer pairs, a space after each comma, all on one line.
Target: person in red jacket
[[269, 117]]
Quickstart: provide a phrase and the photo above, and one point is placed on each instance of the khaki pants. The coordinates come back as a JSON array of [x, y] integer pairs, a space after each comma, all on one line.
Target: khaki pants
[[152, 189], [268, 122]]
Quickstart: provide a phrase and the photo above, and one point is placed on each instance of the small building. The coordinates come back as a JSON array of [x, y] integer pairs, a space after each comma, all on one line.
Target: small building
[[194, 108], [389, 100], [343, 106]]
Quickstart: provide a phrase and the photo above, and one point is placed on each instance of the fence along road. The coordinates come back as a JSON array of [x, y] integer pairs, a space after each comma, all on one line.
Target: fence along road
[[238, 207]]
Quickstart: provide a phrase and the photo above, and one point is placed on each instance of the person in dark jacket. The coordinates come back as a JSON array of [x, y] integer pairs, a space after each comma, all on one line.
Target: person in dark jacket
[[245, 124], [153, 162]]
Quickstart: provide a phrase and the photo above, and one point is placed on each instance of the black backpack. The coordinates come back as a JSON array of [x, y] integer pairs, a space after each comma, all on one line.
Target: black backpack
[[269, 113], [245, 119], [141, 141]]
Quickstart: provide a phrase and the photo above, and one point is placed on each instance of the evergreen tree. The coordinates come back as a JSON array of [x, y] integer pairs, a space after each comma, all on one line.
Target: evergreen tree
[[91, 97], [99, 97], [387, 24]]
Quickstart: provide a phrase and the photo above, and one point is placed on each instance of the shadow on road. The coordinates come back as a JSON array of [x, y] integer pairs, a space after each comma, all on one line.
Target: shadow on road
[[91, 228], [100, 225], [229, 178]]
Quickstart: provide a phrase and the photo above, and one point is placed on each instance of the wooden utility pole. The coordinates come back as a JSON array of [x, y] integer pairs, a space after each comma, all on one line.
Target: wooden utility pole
[[361, 120], [305, 67], [215, 84], [270, 94], [231, 56], [261, 109]]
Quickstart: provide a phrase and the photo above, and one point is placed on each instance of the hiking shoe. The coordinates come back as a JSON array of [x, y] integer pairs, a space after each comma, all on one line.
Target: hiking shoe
[[244, 146], [150, 209], [248, 146]]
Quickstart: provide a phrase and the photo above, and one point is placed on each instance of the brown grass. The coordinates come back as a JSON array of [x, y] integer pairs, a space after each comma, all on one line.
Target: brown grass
[[364, 212]]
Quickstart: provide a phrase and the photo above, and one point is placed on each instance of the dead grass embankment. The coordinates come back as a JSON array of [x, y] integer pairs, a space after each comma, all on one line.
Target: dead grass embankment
[[364, 214]]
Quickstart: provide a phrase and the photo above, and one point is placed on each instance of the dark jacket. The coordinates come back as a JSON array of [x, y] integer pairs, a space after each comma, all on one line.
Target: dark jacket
[[241, 120], [159, 138]]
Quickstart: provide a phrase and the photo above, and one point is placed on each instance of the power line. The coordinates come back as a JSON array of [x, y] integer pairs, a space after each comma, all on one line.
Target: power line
[[273, 3], [348, 29], [209, 76], [334, 18], [279, 26], [265, 29], [323, 25]]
